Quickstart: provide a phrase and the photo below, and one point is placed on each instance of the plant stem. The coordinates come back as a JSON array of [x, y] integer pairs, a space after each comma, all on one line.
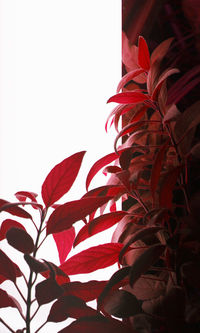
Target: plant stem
[[30, 281], [19, 291], [6, 325]]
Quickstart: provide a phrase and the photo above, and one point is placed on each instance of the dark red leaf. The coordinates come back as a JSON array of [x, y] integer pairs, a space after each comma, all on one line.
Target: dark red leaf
[[180, 87], [128, 77], [13, 209], [47, 290], [35, 265], [122, 304], [6, 225], [130, 97], [87, 291], [114, 281], [61, 178], [96, 324], [139, 235], [143, 54], [69, 306], [64, 241], [161, 50], [94, 258], [157, 167], [8, 269], [64, 216], [20, 240], [162, 79], [99, 224], [167, 187], [7, 300], [145, 261]]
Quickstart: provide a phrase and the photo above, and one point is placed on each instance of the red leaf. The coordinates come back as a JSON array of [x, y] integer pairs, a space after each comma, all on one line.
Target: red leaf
[[13, 209], [23, 195], [99, 224], [47, 290], [105, 191], [167, 187], [128, 77], [157, 167], [35, 265], [20, 240], [7, 300], [143, 54], [99, 165], [17, 273], [65, 215], [130, 97], [96, 324], [61, 178], [94, 258], [64, 241], [7, 268], [6, 225], [69, 306], [144, 261], [87, 291]]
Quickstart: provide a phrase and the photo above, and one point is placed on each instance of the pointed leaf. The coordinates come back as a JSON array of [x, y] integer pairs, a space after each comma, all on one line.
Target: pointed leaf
[[157, 167], [87, 291], [143, 54], [6, 225], [20, 240], [145, 261], [7, 300], [47, 290], [161, 50], [65, 215], [130, 97], [128, 77], [96, 324], [167, 187], [64, 241], [7, 268], [69, 306], [122, 304], [13, 209], [99, 165], [162, 79], [61, 178], [94, 258], [99, 224]]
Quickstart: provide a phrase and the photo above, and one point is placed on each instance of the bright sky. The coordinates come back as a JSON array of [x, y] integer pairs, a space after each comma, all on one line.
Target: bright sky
[[60, 61]]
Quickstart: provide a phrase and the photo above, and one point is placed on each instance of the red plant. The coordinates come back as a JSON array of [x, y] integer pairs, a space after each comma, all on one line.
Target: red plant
[[156, 242]]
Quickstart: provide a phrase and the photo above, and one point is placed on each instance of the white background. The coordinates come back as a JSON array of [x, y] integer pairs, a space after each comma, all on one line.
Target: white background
[[60, 61]]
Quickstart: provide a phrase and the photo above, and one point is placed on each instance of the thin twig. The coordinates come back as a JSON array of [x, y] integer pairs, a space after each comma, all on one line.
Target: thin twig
[[19, 291], [6, 325]]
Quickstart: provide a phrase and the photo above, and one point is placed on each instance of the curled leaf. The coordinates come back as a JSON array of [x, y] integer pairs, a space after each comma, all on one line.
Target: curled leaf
[[64, 241], [130, 97]]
